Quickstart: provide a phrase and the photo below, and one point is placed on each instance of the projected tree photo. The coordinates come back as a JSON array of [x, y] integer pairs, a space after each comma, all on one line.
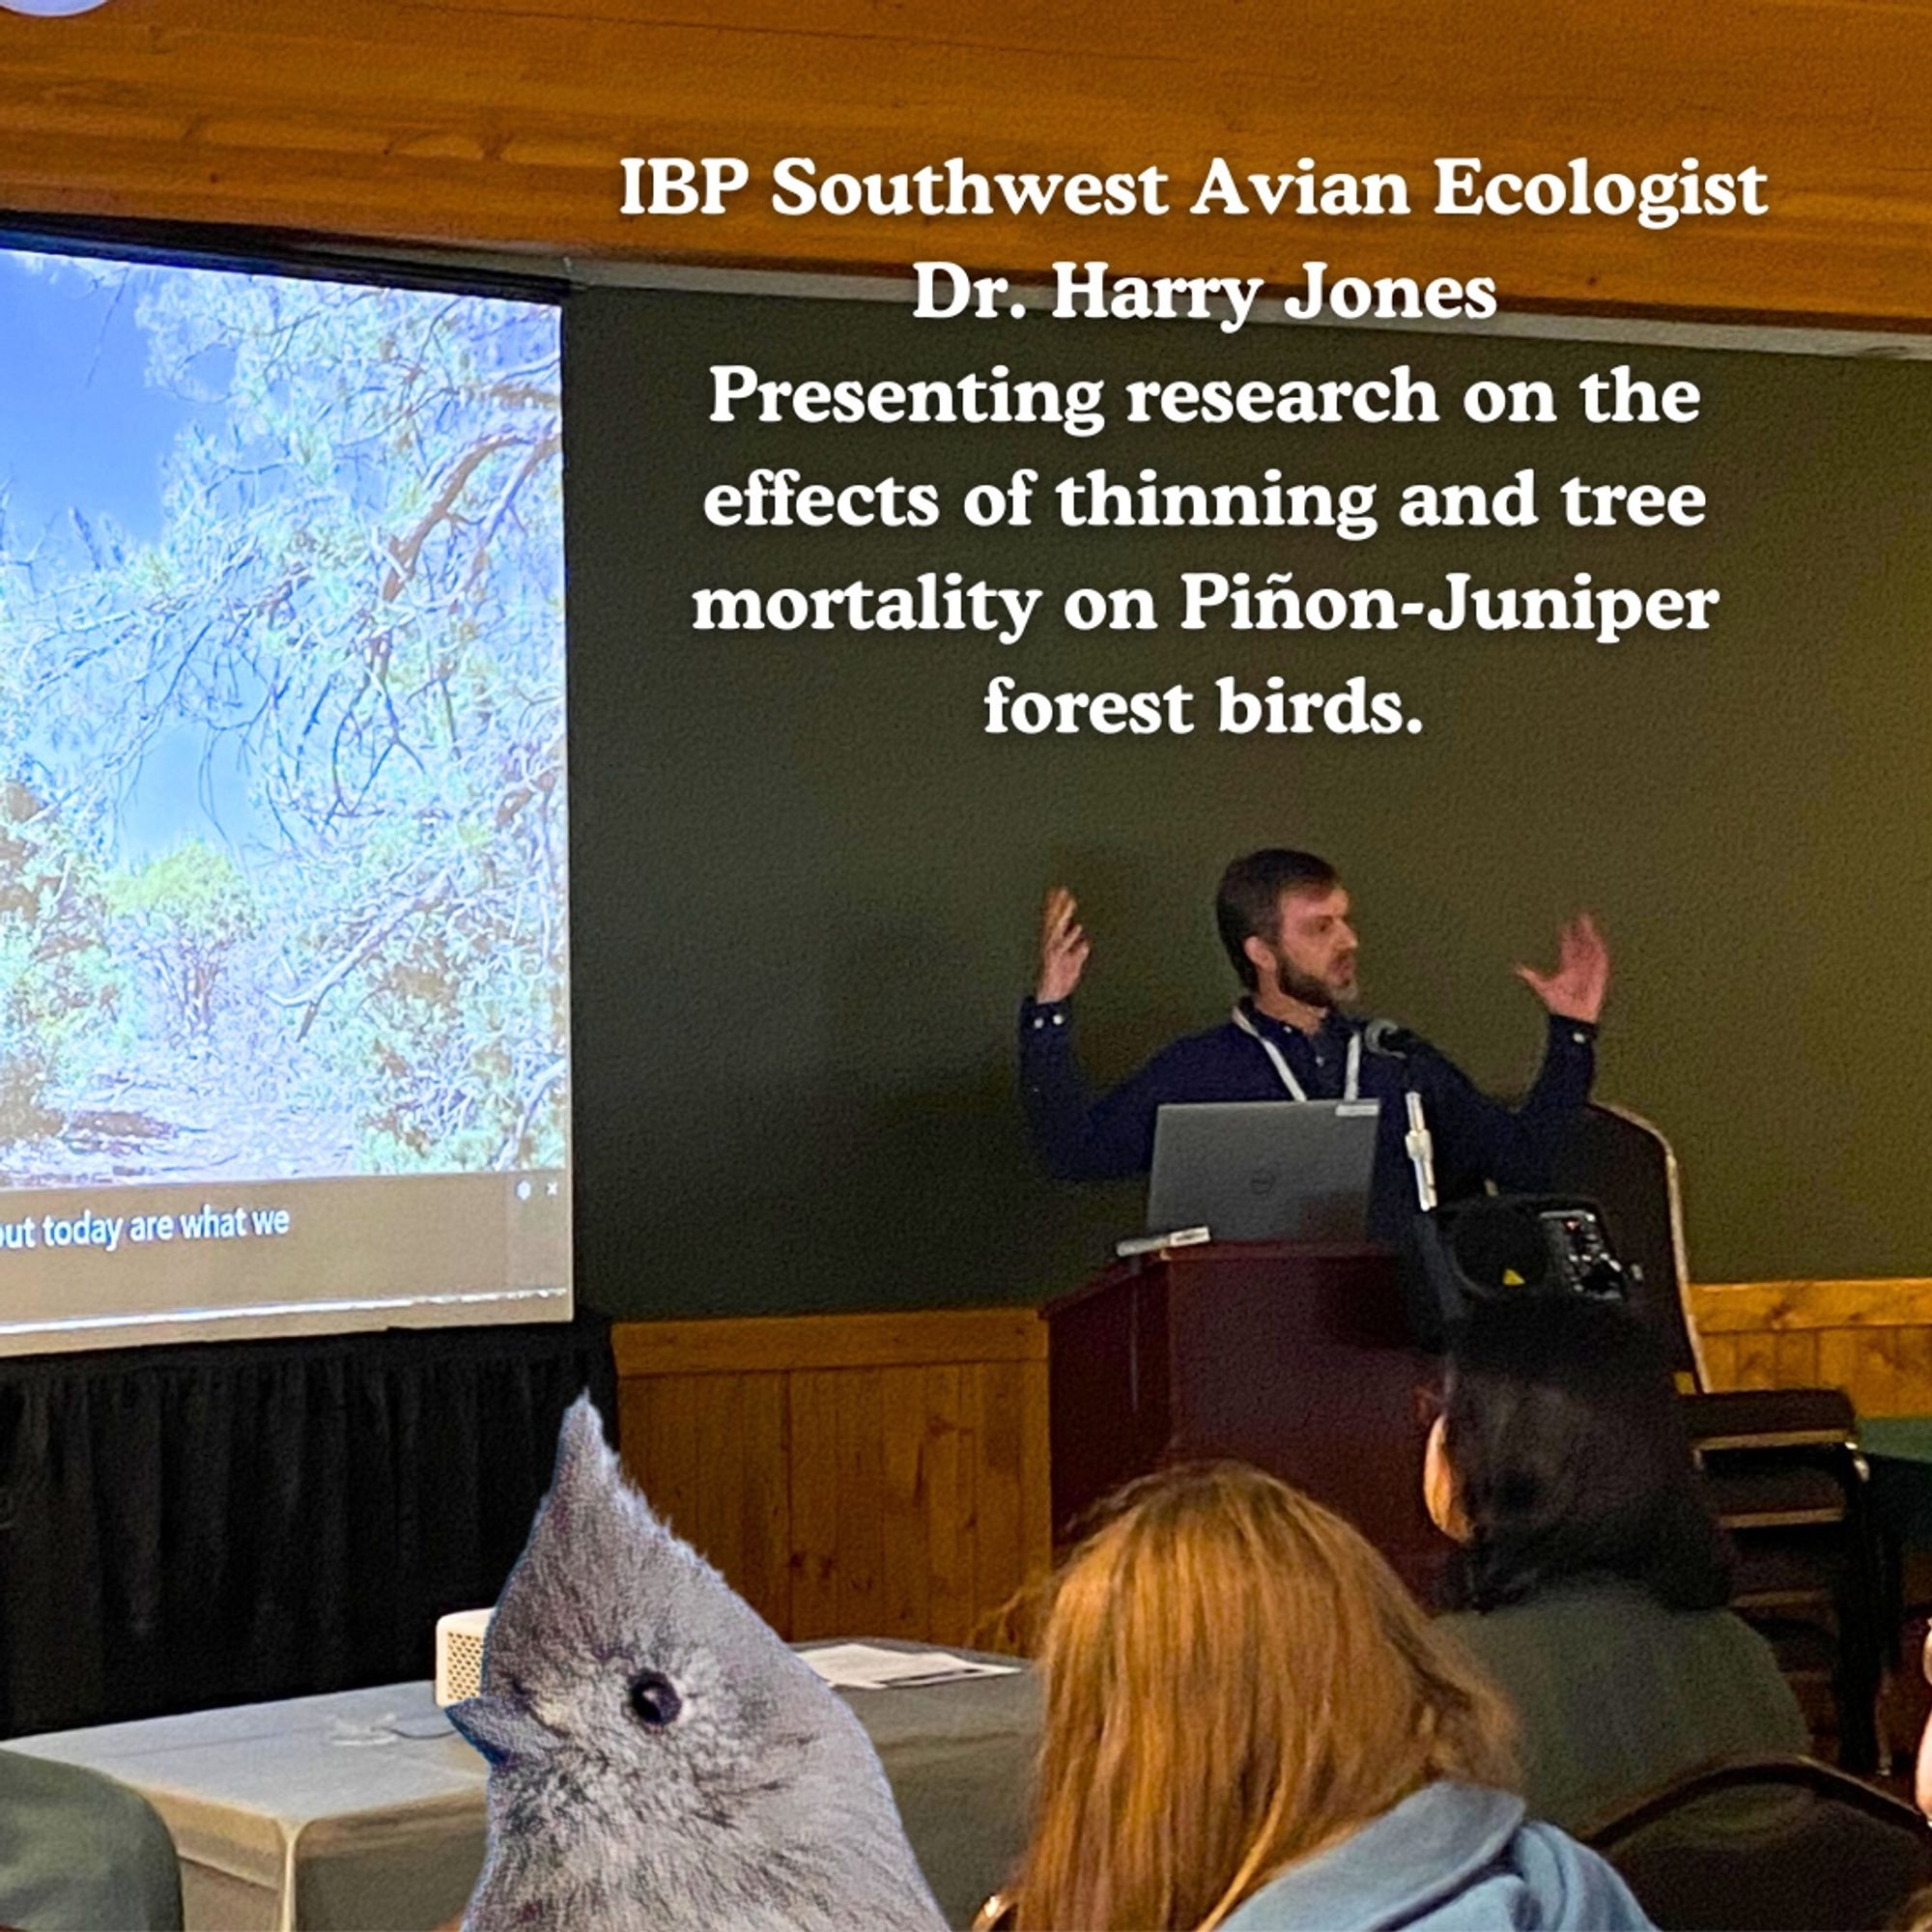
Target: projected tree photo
[[282, 834]]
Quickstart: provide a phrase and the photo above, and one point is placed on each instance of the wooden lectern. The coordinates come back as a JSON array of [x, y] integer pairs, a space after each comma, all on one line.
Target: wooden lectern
[[1293, 1358]]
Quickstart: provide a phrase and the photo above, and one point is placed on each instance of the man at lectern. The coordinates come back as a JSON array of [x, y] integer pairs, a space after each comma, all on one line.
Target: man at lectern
[[1284, 920]]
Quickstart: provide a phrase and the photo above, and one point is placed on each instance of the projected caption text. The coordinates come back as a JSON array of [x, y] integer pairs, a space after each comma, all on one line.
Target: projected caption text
[[109, 1234]]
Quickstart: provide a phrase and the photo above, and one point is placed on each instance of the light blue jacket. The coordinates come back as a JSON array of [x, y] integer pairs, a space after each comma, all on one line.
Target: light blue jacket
[[1450, 1858]]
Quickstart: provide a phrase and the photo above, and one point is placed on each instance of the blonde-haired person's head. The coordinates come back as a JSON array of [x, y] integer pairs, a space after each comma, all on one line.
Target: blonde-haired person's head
[[1234, 1679]]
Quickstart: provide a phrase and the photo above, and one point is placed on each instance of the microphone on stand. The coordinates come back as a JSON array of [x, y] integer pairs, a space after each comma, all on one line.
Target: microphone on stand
[[1421, 1147], [1392, 1042]]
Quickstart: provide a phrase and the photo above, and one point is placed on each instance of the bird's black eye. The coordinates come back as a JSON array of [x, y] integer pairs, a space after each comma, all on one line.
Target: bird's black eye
[[654, 1698]]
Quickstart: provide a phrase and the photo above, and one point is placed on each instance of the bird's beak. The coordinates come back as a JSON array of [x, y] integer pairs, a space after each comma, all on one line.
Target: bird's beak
[[502, 1729]]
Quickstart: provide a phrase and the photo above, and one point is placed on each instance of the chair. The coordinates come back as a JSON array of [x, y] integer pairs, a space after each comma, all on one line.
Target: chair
[[1781, 1466], [1770, 1845], [997, 1914]]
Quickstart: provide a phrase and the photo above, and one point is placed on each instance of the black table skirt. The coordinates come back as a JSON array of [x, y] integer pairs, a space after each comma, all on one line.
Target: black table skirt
[[225, 1523]]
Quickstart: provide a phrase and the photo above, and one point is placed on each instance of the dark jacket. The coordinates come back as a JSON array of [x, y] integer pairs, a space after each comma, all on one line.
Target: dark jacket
[[1618, 1695], [1477, 1139], [80, 1850]]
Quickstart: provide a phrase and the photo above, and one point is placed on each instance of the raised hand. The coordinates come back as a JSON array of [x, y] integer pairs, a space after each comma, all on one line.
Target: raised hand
[[1062, 947], [1575, 990]]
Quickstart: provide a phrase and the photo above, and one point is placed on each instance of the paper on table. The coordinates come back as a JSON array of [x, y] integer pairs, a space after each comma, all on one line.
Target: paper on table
[[864, 1667]]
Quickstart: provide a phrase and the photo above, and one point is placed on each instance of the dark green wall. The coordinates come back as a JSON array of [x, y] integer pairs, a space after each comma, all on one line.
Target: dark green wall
[[806, 883]]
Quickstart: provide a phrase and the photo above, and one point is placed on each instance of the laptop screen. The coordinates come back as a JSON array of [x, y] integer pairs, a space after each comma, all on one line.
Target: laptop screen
[[1265, 1170]]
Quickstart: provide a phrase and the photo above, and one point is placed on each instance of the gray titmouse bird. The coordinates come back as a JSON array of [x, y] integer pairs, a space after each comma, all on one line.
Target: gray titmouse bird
[[659, 1759]]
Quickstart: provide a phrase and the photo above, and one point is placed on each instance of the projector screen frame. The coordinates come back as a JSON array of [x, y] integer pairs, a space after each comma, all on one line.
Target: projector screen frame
[[265, 252], [271, 251]]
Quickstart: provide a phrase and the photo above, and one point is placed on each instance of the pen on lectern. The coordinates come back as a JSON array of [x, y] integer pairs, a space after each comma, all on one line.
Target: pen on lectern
[[1152, 1244]]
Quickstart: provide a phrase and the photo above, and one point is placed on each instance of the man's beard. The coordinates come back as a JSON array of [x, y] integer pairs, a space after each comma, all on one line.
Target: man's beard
[[1291, 984]]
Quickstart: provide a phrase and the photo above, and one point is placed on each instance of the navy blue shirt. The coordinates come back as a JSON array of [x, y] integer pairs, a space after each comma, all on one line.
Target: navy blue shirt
[[1476, 1138]]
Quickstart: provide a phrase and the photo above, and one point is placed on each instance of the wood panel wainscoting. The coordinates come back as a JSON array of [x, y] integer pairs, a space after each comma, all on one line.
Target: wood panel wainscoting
[[862, 1475], [1872, 1339], [886, 1475]]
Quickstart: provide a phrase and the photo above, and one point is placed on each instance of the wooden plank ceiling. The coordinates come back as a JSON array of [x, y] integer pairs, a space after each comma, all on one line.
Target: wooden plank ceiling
[[501, 122]]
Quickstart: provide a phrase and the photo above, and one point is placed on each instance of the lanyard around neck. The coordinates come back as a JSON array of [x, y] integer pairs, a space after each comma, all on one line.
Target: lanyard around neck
[[1351, 1079]]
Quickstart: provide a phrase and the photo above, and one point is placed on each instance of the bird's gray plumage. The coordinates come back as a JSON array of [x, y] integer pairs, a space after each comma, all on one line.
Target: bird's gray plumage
[[657, 1759]]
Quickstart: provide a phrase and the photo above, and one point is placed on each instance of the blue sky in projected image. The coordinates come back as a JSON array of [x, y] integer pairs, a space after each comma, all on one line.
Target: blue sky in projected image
[[82, 429]]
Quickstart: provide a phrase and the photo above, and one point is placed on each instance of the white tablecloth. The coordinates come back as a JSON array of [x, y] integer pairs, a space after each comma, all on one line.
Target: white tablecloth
[[361, 1809], [364, 1811]]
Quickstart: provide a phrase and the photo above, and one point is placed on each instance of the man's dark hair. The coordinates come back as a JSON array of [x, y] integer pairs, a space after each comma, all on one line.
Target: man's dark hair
[[1248, 905], [1566, 1441]]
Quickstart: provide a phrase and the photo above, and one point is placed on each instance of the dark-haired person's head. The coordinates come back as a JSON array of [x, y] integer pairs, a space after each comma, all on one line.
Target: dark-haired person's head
[[1283, 919], [1561, 1454]]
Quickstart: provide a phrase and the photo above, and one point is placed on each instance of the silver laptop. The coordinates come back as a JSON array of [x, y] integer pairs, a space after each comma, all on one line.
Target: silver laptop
[[1265, 1170]]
